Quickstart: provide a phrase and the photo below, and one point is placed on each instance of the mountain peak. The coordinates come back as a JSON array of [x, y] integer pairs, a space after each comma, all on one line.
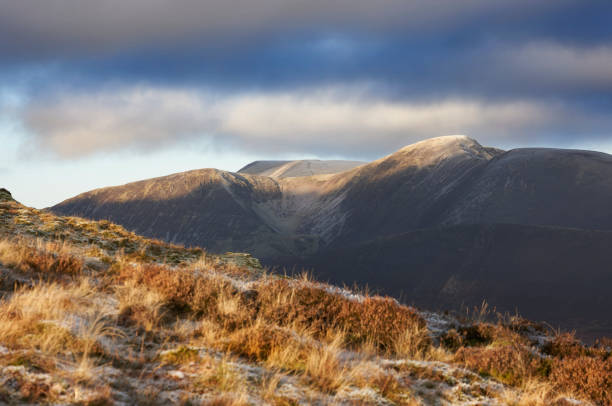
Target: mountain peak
[[434, 150], [445, 142]]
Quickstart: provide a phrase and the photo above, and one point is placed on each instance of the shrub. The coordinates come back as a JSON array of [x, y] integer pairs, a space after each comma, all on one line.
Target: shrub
[[381, 321], [589, 377], [510, 364], [185, 291], [257, 342], [568, 346], [564, 345], [180, 355], [376, 319], [479, 334]]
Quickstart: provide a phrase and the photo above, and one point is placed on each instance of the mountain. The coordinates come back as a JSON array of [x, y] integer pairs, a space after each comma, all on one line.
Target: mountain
[[445, 221]]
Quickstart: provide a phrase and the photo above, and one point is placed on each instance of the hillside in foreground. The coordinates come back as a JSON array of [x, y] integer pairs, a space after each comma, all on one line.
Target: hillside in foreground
[[93, 314]]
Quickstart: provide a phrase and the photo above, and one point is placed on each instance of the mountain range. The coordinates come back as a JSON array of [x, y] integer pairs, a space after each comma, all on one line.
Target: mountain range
[[442, 223]]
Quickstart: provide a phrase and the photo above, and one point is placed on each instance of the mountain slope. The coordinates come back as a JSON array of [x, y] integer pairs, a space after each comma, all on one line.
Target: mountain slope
[[447, 190], [540, 186], [405, 190], [559, 275], [442, 181], [207, 207]]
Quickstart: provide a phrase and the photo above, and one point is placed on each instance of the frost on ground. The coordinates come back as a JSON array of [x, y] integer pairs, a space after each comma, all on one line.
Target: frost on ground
[[93, 314]]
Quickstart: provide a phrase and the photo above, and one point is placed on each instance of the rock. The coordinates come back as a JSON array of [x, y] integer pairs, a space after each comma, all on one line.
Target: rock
[[250, 295], [5, 195], [176, 374], [242, 259]]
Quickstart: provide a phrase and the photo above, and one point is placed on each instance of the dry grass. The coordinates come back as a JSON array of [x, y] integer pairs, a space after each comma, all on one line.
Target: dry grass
[[374, 320], [323, 366], [42, 257], [32, 318], [534, 393], [260, 340], [227, 399], [278, 321], [222, 375], [510, 364], [139, 306], [185, 292], [570, 370], [381, 322], [415, 343], [48, 322], [277, 348]]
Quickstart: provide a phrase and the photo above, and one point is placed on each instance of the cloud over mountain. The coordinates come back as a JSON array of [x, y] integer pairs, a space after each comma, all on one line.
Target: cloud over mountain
[[330, 118]]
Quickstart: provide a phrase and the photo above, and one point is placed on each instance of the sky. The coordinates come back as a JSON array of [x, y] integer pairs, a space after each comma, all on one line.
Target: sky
[[100, 93]]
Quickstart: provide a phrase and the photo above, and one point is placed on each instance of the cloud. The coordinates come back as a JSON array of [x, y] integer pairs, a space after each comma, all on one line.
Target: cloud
[[34, 29], [558, 67], [346, 120], [475, 49], [493, 70]]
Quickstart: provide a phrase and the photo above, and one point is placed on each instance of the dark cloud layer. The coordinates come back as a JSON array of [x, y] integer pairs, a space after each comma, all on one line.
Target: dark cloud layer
[[68, 27], [426, 59]]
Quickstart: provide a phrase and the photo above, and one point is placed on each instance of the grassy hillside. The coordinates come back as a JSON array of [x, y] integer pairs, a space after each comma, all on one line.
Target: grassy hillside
[[93, 314]]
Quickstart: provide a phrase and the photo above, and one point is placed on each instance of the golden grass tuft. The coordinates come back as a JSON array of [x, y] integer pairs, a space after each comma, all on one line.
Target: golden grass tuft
[[49, 319], [139, 305], [325, 368], [43, 257], [415, 343], [222, 375], [534, 392]]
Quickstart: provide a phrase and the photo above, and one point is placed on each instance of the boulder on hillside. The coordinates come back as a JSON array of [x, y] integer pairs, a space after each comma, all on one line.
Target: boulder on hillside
[[5, 195]]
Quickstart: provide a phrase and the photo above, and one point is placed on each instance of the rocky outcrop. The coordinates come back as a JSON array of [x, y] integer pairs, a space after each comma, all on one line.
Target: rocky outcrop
[[5, 195]]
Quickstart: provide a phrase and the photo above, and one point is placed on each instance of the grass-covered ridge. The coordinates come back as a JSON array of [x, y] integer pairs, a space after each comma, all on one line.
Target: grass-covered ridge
[[93, 314]]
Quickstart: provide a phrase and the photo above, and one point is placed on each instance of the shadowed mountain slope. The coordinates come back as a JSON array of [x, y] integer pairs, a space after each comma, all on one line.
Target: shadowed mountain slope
[[420, 212], [568, 188], [560, 275], [206, 207]]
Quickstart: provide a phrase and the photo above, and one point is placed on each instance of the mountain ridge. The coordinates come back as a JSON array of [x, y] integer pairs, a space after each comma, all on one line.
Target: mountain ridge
[[299, 168], [447, 185]]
